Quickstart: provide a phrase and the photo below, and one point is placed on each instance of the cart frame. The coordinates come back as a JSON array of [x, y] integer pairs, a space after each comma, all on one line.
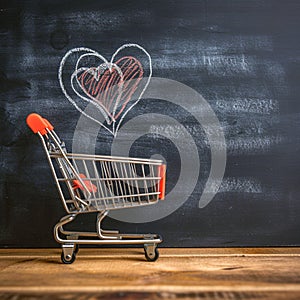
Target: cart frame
[[94, 193]]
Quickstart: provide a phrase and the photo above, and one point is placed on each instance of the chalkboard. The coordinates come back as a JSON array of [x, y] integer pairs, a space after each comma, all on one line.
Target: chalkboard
[[238, 59]]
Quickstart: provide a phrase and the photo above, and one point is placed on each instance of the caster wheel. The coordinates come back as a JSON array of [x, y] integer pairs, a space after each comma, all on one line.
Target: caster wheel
[[151, 254], [69, 259]]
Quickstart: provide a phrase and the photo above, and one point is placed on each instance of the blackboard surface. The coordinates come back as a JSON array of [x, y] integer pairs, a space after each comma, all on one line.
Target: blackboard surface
[[241, 56]]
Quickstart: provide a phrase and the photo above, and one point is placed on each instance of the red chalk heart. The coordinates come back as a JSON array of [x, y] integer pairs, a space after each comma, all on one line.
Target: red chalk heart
[[112, 85]]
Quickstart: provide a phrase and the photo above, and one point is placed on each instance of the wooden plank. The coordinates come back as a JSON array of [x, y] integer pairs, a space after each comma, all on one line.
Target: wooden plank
[[108, 252], [233, 273]]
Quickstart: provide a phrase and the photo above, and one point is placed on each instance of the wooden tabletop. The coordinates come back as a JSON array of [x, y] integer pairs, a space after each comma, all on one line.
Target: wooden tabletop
[[230, 273]]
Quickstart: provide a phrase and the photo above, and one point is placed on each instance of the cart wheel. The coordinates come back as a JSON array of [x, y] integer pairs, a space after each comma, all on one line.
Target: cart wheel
[[68, 259], [151, 253]]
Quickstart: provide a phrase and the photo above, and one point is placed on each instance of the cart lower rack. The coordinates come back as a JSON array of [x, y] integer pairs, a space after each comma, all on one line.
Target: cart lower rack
[[95, 183]]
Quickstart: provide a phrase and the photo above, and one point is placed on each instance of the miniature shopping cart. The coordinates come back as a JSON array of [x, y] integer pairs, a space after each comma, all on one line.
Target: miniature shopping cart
[[94, 183]]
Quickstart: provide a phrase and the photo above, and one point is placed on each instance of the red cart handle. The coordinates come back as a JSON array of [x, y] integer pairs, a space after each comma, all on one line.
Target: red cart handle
[[38, 124]]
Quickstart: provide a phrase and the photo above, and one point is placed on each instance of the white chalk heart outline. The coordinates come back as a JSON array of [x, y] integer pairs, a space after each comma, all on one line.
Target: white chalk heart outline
[[109, 64]]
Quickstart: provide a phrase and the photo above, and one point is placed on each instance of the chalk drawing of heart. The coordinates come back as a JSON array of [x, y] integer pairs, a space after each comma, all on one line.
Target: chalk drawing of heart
[[109, 85], [112, 88]]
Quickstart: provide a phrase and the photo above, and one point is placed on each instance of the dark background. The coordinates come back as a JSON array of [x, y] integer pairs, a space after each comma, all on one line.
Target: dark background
[[242, 56]]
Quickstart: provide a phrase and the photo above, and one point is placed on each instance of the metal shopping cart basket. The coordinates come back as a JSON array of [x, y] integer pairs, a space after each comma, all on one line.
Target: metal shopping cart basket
[[95, 183]]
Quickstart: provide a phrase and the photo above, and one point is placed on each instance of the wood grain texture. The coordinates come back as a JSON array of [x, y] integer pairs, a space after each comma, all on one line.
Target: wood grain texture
[[236, 273]]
